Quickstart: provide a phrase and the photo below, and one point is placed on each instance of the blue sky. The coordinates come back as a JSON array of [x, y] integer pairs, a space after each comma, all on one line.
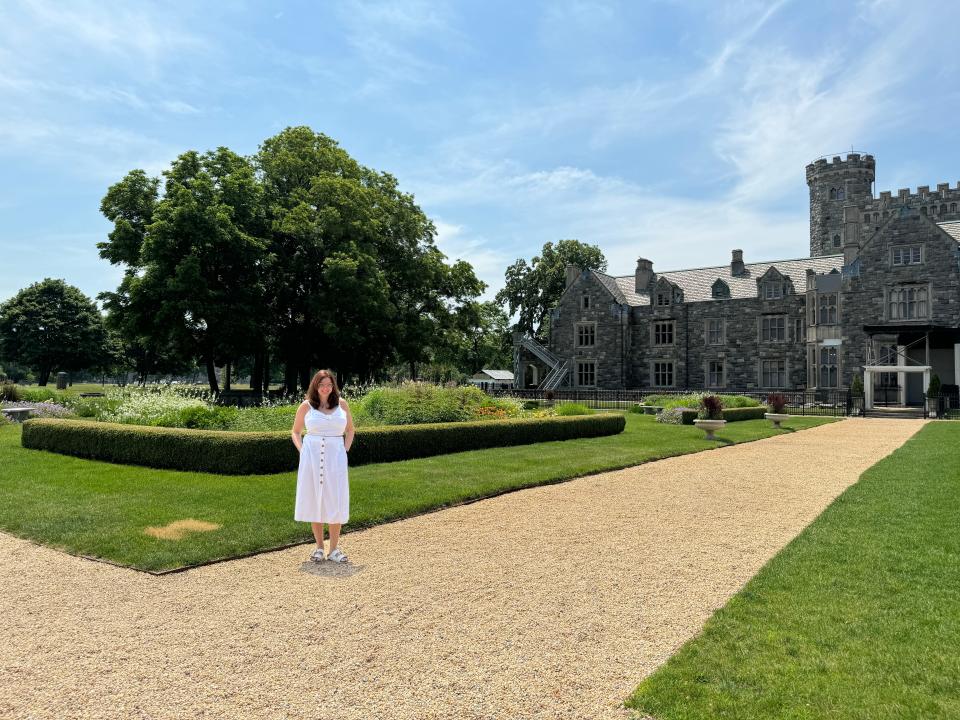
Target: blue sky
[[668, 129]]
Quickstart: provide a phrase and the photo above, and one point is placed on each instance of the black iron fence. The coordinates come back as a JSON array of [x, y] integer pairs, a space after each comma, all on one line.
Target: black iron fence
[[833, 403]]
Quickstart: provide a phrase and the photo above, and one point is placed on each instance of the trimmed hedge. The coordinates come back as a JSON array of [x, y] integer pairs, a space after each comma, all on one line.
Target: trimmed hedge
[[257, 453], [730, 414]]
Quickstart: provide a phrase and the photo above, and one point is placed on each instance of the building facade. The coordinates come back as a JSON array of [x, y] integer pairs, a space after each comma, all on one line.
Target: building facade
[[879, 296]]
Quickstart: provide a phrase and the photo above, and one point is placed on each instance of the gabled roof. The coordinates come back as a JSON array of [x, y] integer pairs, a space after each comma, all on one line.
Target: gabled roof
[[697, 283], [951, 228], [497, 374]]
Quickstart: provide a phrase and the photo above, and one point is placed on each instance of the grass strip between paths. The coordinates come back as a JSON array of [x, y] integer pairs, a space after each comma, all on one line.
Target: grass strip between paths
[[858, 618], [101, 509]]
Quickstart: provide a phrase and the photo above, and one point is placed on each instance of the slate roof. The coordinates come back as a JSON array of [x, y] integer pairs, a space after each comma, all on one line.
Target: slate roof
[[504, 375], [951, 228], [697, 284]]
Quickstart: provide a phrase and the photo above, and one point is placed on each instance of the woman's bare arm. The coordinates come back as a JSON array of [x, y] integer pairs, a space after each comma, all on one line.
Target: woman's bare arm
[[349, 432], [296, 433]]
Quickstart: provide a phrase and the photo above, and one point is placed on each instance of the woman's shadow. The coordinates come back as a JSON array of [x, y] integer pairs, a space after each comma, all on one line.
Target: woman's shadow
[[330, 569]]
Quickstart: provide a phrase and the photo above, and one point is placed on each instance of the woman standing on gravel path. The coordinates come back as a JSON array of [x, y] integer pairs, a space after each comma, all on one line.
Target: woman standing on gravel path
[[323, 492]]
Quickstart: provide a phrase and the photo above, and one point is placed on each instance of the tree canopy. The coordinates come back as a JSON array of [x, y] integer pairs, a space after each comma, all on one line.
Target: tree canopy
[[51, 326], [530, 291], [298, 252]]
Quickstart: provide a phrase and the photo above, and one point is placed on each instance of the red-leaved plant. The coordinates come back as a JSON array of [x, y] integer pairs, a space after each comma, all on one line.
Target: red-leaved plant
[[711, 408], [776, 402]]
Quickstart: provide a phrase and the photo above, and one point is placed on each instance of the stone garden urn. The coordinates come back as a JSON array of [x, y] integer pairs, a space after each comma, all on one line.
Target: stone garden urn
[[776, 418], [709, 426]]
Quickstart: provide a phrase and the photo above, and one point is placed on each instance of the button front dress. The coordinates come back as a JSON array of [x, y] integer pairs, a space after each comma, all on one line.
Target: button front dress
[[323, 493]]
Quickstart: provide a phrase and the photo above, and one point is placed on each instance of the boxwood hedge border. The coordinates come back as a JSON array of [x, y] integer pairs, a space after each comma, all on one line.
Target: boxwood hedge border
[[260, 453]]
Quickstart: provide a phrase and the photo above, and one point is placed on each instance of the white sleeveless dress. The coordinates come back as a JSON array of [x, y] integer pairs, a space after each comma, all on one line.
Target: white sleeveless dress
[[323, 492]]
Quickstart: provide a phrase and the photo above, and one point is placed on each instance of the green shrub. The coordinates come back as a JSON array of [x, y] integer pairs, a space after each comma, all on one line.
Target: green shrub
[[692, 400], [10, 393], [41, 394], [208, 417], [856, 387], [236, 453], [744, 413], [729, 414], [574, 409], [934, 390], [637, 409], [415, 403]]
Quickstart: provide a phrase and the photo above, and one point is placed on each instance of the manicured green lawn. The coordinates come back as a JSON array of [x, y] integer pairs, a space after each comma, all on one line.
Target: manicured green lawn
[[858, 618], [100, 509]]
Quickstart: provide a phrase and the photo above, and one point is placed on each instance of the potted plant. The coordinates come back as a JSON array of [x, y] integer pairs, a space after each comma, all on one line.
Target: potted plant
[[776, 402], [710, 416], [933, 394]]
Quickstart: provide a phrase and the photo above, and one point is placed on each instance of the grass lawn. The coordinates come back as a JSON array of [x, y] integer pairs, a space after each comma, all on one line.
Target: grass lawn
[[101, 510], [858, 618]]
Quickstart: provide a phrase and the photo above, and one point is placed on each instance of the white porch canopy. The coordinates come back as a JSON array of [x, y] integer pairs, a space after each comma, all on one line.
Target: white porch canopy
[[870, 369]]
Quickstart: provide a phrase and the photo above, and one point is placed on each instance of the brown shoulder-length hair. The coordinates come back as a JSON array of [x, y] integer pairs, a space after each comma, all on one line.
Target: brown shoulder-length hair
[[313, 392]]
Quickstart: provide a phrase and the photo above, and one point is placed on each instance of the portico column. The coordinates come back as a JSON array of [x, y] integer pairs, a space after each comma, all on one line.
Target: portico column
[[901, 377], [926, 383], [956, 364], [867, 389]]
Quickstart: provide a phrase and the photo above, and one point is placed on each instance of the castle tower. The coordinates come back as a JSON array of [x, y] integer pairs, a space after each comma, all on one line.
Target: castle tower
[[833, 185]]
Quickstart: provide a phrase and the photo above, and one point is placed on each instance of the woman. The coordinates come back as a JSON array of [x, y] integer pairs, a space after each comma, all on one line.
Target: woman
[[323, 493]]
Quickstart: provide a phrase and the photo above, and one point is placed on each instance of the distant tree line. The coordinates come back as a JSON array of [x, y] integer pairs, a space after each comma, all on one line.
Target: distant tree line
[[297, 256]]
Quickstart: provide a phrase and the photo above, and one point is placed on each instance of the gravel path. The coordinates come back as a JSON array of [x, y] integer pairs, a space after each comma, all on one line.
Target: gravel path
[[551, 602]]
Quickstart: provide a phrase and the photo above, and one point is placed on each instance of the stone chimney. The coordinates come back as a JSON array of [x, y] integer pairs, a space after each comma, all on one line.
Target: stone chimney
[[573, 272], [736, 264], [851, 234], [644, 275]]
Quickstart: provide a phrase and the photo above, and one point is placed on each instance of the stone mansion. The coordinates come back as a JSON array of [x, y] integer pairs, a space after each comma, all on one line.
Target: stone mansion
[[879, 296]]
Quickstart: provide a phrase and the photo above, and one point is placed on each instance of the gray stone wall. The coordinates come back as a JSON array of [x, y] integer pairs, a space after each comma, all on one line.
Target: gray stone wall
[[611, 331], [864, 297]]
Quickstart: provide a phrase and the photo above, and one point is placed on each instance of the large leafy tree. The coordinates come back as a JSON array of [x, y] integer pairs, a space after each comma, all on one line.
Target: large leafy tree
[[192, 286], [532, 290], [51, 326], [477, 336], [354, 277]]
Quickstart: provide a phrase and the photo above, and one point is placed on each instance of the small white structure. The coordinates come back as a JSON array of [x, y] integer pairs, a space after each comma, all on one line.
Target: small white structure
[[901, 370], [493, 379]]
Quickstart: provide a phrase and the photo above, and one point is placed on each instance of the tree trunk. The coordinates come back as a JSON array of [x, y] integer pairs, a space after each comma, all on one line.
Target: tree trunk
[[226, 377], [413, 370], [212, 376], [304, 377], [44, 376], [290, 377], [256, 374], [266, 372]]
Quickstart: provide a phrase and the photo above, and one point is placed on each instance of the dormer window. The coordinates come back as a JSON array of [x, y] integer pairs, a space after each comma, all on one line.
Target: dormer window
[[772, 290], [720, 289], [663, 298]]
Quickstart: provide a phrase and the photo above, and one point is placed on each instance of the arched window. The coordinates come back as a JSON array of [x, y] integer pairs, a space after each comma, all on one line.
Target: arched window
[[841, 193], [943, 209], [836, 241], [876, 217], [833, 193], [953, 207]]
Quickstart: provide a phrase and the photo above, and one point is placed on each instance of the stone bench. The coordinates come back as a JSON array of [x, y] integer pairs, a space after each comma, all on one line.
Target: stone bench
[[93, 394], [17, 414]]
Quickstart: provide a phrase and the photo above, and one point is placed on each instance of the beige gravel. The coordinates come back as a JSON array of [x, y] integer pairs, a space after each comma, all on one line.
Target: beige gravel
[[547, 603]]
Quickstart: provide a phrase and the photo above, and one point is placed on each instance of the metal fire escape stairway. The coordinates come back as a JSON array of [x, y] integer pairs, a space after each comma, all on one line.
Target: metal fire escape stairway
[[559, 369]]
